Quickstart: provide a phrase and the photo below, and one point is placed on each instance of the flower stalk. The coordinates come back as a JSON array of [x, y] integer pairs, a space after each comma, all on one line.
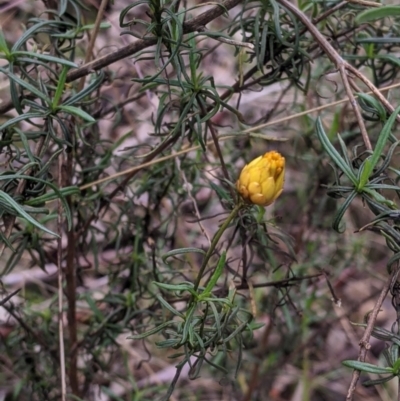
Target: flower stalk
[[215, 240], [260, 182]]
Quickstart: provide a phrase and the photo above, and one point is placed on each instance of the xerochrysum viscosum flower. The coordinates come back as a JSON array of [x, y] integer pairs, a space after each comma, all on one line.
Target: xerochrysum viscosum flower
[[261, 181]]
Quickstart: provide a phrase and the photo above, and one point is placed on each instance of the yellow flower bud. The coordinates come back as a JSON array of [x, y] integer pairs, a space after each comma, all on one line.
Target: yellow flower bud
[[261, 181]]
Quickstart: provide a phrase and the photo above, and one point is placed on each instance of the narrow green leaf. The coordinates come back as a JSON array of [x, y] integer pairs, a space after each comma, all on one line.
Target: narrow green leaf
[[380, 381], [238, 330], [169, 307], [381, 333], [379, 198], [49, 196], [216, 275], [345, 156], [26, 85], [77, 112], [3, 44], [224, 301], [365, 172], [373, 14], [217, 323], [387, 159], [394, 259], [92, 305], [381, 40], [334, 154], [60, 87], [335, 125], [152, 331], [34, 29], [26, 146], [340, 213], [22, 117], [21, 212], [4, 239], [390, 58], [45, 57], [167, 343], [174, 287], [366, 367], [380, 144], [103, 25], [221, 192], [85, 91], [181, 251], [396, 365], [187, 325], [57, 194], [374, 103]]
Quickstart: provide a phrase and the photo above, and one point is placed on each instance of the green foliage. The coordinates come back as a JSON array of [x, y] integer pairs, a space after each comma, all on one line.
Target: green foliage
[[391, 356], [120, 175], [377, 13]]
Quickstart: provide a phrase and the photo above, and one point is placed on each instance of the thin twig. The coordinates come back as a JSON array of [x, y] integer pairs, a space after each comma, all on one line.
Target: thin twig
[[309, 111], [96, 29], [217, 146], [364, 342], [328, 12], [9, 296], [226, 40], [60, 284], [355, 107], [395, 291], [188, 189], [70, 284]]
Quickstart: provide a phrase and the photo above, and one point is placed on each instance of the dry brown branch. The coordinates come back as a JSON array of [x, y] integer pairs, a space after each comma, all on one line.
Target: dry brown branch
[[343, 68], [364, 342], [60, 277], [188, 27], [70, 270]]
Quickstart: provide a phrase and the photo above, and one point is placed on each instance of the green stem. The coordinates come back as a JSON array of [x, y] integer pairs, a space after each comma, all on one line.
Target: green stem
[[215, 240]]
